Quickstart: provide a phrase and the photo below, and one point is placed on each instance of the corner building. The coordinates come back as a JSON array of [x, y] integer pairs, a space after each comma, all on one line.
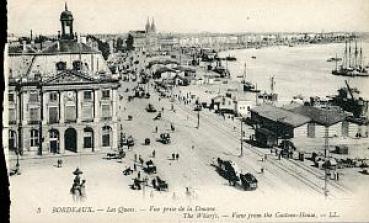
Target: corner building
[[61, 99]]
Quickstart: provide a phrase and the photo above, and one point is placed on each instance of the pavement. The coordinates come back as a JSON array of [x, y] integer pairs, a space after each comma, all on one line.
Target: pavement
[[43, 185]]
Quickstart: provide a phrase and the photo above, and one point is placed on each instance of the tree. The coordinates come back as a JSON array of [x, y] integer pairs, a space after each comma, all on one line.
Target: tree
[[129, 42]]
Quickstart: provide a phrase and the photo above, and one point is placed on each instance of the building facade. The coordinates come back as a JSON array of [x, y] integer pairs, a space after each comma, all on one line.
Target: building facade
[[63, 98]]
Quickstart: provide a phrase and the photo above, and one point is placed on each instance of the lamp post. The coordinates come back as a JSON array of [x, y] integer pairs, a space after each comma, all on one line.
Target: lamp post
[[241, 137]]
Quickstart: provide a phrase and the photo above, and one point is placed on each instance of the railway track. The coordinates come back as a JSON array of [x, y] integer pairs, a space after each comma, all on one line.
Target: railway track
[[300, 174]]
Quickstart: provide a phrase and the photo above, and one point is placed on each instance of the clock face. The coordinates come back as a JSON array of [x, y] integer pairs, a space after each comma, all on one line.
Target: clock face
[[70, 96]]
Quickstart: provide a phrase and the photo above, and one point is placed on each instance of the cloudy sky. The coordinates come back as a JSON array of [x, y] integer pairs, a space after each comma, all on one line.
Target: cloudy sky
[[115, 16]]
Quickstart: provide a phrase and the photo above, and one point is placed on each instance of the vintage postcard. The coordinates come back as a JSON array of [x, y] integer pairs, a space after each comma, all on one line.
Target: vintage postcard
[[187, 111]]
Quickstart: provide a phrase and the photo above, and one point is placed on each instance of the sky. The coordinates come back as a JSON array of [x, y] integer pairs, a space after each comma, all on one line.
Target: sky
[[230, 16]]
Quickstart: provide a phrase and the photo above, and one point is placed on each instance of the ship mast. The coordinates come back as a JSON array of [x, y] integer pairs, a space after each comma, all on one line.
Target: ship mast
[[356, 55], [345, 56], [349, 55], [361, 56]]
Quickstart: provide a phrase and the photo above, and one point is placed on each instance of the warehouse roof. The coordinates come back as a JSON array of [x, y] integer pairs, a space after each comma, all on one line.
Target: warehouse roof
[[280, 115]]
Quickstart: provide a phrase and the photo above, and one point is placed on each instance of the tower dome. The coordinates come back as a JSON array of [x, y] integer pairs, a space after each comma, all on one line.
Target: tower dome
[[66, 15], [66, 20]]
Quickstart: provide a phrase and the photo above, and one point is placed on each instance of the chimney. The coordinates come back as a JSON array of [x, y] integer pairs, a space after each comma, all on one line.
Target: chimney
[[24, 44], [31, 35]]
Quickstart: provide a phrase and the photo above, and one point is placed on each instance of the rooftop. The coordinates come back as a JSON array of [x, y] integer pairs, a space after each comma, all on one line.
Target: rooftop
[[323, 116], [69, 47], [281, 115]]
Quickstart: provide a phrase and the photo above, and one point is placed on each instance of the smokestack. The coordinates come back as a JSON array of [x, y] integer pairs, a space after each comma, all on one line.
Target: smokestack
[[31, 35]]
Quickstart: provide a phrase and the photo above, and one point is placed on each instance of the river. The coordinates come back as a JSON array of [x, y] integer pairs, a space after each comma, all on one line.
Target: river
[[300, 70]]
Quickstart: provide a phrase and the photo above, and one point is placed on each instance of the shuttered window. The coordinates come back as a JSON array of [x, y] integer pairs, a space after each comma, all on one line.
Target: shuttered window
[[53, 115], [12, 115], [105, 111], [87, 112], [34, 114]]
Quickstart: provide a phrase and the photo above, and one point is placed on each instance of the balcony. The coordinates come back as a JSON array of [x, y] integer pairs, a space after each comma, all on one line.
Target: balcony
[[34, 122], [106, 118], [12, 122]]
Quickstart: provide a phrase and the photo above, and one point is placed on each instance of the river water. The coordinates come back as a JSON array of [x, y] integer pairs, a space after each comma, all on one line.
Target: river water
[[300, 70]]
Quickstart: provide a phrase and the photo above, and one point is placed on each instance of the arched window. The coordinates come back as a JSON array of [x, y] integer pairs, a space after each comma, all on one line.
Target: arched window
[[106, 136], [12, 140], [54, 141], [60, 66], [34, 137], [88, 138]]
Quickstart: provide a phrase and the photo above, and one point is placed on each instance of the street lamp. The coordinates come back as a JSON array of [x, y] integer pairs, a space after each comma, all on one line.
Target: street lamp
[[241, 137]]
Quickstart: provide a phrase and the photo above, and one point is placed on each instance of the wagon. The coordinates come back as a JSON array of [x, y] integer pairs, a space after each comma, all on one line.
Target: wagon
[[248, 181], [150, 108], [165, 138], [149, 167], [159, 184]]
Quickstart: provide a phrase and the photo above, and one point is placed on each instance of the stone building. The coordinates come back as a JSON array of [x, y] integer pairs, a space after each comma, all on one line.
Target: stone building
[[62, 98]]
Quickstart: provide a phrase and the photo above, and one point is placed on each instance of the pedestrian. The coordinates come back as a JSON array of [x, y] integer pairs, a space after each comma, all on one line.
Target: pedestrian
[[262, 170], [135, 157], [156, 129], [193, 146], [177, 156], [139, 174], [134, 166], [153, 153], [173, 156]]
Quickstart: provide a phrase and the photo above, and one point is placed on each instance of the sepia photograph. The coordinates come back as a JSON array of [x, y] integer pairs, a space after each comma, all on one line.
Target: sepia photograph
[[187, 111]]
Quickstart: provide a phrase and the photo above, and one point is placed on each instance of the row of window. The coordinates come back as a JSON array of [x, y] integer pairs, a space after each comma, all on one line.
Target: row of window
[[53, 96], [77, 65], [54, 138], [70, 114]]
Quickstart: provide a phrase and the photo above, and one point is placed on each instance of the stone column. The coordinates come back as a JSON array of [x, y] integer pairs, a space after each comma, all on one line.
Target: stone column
[[79, 106], [96, 106], [80, 136], [114, 135], [61, 140], [97, 137], [61, 107], [114, 105]]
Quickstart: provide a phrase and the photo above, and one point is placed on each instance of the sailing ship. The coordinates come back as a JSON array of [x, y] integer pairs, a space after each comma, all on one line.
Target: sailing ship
[[248, 86], [352, 64]]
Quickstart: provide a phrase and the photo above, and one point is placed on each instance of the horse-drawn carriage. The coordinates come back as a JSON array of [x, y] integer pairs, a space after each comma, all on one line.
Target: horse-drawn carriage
[[159, 184], [248, 181], [228, 170], [137, 184], [165, 138], [120, 155], [149, 167], [127, 171], [150, 108], [127, 141]]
